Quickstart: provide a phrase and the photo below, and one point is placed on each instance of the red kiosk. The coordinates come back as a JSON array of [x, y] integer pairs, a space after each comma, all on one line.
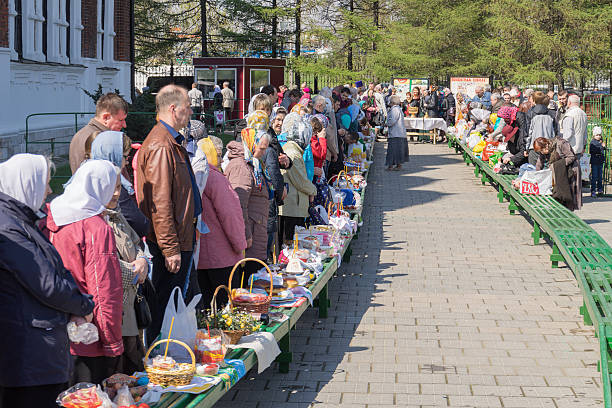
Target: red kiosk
[[245, 76]]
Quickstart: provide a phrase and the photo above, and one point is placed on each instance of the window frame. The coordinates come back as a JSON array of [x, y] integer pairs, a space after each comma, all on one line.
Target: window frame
[[253, 90]]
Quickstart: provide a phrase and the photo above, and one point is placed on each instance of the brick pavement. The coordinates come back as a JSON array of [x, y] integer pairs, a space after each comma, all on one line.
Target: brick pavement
[[445, 302], [597, 212]]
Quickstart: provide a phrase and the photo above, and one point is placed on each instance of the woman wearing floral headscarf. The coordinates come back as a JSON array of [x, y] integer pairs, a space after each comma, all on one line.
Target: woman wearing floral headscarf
[[274, 159], [248, 178], [301, 190]]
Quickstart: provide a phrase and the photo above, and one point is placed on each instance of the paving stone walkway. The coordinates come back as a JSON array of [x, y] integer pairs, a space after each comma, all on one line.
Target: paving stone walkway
[[597, 212], [446, 302]]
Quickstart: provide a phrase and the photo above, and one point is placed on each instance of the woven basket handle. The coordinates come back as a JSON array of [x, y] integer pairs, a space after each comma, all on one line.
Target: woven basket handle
[[158, 342], [255, 260], [213, 302]]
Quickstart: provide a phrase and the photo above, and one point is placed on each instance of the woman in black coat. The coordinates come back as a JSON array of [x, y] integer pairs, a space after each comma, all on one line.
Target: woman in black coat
[[38, 295]]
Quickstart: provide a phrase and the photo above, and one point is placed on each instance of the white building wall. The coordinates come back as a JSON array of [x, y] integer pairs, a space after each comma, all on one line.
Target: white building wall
[[29, 87]]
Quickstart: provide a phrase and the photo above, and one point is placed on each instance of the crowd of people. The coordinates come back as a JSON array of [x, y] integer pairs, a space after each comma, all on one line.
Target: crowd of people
[[539, 129], [135, 221]]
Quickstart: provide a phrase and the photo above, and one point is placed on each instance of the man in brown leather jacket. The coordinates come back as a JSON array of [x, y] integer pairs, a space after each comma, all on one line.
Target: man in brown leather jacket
[[168, 195]]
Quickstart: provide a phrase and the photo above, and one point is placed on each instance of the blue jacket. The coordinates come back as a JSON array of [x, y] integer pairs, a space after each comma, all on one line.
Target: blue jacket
[[37, 297], [485, 100], [137, 220]]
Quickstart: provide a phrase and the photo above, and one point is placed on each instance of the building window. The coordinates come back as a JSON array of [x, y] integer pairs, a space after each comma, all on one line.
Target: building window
[[105, 31], [44, 27], [38, 20], [259, 78], [75, 36], [100, 29], [32, 20], [57, 31], [226, 75], [208, 78], [67, 30], [14, 29]]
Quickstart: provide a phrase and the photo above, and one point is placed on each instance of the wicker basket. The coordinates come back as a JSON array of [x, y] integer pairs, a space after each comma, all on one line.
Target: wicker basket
[[337, 208], [335, 181], [233, 335], [182, 376], [250, 307]]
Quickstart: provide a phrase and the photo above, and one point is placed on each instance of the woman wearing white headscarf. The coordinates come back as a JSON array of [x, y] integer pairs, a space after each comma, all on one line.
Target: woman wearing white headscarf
[[217, 98], [295, 208], [77, 227], [134, 264], [38, 294]]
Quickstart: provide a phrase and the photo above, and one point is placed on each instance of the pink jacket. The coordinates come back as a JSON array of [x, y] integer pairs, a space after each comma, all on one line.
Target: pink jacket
[[254, 201], [89, 252], [221, 211]]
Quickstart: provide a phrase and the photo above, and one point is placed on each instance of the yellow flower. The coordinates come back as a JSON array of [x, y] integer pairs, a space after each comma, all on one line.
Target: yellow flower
[[225, 316], [228, 322], [242, 326]]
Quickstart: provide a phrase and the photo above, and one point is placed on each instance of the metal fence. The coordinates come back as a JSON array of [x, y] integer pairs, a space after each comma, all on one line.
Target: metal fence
[[139, 124], [598, 107]]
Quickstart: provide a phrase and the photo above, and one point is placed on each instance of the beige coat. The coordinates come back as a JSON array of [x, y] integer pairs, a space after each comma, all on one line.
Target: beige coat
[[127, 247], [77, 144], [297, 201], [228, 98]]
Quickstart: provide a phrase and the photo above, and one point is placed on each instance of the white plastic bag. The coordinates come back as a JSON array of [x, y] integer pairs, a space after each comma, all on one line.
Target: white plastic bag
[[537, 182], [585, 166], [185, 325], [86, 333], [473, 139]]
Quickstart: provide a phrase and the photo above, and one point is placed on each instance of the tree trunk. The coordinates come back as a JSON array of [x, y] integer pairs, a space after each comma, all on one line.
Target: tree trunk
[[376, 10], [298, 29], [204, 51], [274, 31], [349, 56]]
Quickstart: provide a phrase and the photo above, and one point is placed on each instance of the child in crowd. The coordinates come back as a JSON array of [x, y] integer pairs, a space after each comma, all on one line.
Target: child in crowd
[[351, 141], [597, 149], [365, 126]]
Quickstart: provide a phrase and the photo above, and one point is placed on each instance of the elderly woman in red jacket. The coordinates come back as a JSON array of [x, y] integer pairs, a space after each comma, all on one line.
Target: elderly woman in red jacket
[[224, 245], [77, 228]]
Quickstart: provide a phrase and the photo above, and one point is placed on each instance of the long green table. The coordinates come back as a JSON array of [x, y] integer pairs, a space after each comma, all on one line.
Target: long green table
[[573, 241], [281, 332]]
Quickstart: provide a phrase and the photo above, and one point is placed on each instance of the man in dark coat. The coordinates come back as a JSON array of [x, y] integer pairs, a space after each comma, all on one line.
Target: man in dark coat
[[449, 107], [430, 103]]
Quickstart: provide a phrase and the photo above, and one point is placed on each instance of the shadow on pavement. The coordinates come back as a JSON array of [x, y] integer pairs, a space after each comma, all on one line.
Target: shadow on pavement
[[327, 349]]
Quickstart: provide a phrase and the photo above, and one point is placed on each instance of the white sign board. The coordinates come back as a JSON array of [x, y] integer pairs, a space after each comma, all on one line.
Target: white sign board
[[466, 86]]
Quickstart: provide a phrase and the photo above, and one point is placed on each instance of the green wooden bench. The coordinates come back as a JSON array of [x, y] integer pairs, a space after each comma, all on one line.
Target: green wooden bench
[[574, 242]]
